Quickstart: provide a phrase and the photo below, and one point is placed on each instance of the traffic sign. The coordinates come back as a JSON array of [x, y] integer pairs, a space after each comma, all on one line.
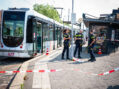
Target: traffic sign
[[73, 18]]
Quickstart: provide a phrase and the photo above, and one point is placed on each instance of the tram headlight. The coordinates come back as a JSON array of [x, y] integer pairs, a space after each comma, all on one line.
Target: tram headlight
[[21, 46], [1, 45]]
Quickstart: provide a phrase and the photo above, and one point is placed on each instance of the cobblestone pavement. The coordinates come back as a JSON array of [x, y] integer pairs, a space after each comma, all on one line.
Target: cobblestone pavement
[[8, 64], [80, 78], [70, 79]]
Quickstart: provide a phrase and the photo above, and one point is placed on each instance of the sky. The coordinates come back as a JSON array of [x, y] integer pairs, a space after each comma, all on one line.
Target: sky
[[93, 7]]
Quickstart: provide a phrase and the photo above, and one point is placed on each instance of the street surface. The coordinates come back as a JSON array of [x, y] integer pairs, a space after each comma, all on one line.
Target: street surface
[[73, 75], [8, 64]]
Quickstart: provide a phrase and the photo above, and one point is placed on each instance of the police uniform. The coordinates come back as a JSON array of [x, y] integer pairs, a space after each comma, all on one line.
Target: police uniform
[[66, 45], [78, 43], [92, 56]]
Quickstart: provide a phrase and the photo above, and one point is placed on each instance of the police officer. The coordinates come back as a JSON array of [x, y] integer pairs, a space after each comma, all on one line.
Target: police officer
[[91, 45], [78, 42], [66, 43], [81, 32]]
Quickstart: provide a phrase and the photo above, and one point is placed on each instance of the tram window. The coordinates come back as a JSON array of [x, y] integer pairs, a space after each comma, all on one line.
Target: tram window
[[56, 33], [51, 35], [13, 28], [29, 38], [13, 24], [51, 32]]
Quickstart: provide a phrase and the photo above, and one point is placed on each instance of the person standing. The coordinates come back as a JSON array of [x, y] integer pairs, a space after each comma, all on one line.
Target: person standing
[[81, 32], [78, 42], [91, 46], [66, 43]]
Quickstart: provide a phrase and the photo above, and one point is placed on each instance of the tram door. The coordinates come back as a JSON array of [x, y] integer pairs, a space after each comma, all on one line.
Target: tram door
[[39, 37], [34, 37]]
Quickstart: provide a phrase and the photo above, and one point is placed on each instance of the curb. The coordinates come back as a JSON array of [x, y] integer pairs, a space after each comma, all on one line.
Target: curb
[[16, 84], [19, 79]]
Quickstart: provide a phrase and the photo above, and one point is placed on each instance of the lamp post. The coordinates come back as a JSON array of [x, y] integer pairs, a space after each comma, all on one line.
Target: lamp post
[[60, 9], [72, 22]]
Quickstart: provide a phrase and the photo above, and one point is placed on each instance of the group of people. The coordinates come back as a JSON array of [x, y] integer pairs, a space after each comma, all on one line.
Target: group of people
[[78, 42]]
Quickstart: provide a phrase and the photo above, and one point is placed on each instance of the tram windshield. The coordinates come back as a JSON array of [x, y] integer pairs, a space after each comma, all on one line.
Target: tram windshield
[[13, 28]]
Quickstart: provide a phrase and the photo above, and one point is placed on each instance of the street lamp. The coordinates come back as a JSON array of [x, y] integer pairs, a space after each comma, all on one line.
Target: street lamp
[[73, 16], [60, 9]]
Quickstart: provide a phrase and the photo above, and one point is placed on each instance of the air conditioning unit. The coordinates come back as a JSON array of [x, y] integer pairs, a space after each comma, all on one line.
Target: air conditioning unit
[[25, 9]]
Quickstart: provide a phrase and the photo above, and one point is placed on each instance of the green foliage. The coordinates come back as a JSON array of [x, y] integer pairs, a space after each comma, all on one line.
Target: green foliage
[[22, 85], [48, 11]]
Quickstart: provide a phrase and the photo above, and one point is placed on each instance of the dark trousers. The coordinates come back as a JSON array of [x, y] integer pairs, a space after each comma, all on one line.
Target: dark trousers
[[81, 48], [92, 56], [78, 47], [66, 49]]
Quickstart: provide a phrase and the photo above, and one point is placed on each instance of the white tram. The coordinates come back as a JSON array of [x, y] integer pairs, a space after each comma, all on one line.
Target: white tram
[[24, 33]]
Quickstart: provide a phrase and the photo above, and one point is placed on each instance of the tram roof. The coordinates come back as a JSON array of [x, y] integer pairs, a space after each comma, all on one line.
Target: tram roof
[[48, 20], [39, 16]]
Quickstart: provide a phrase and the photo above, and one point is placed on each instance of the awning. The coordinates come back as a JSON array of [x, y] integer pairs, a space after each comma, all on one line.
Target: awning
[[88, 20]]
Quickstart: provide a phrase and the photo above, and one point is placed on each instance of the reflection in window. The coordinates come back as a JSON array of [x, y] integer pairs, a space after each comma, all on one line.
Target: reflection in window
[[13, 28]]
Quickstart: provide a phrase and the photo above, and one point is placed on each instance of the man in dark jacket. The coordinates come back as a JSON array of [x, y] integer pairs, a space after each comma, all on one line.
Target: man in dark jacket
[[91, 46], [66, 43], [78, 42]]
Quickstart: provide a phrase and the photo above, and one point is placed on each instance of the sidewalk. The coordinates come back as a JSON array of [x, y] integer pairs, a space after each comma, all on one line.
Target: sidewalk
[[61, 74]]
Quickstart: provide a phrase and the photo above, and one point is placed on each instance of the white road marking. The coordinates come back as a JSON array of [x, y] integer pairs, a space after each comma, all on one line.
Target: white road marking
[[36, 78], [41, 80], [45, 78]]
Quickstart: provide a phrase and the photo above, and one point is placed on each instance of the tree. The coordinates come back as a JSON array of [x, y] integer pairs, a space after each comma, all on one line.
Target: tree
[[48, 11]]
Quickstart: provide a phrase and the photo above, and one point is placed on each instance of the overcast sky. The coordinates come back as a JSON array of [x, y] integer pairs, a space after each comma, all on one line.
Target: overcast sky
[[93, 7]]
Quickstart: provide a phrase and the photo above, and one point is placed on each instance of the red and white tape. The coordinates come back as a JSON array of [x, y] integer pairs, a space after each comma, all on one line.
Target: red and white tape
[[105, 73], [30, 71], [55, 70], [76, 59], [109, 72]]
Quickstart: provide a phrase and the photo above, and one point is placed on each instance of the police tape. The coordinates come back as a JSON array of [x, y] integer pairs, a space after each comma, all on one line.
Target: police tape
[[105, 73], [101, 74], [30, 71], [109, 72], [56, 70], [76, 59]]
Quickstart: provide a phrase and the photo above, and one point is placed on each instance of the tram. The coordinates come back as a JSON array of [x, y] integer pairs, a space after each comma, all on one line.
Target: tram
[[25, 33]]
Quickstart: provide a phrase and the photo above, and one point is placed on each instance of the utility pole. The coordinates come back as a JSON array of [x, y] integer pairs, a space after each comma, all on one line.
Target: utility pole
[[72, 22], [68, 14], [35, 2]]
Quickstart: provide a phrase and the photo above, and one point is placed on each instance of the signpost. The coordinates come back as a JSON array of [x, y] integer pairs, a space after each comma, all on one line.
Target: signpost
[[73, 18], [73, 21], [0, 22]]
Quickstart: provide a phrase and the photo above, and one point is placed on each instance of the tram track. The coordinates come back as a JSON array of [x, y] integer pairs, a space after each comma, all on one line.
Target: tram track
[[9, 64]]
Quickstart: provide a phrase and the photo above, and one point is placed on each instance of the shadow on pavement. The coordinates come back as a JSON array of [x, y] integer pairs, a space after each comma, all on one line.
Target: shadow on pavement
[[84, 56], [57, 58], [79, 62], [113, 87]]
